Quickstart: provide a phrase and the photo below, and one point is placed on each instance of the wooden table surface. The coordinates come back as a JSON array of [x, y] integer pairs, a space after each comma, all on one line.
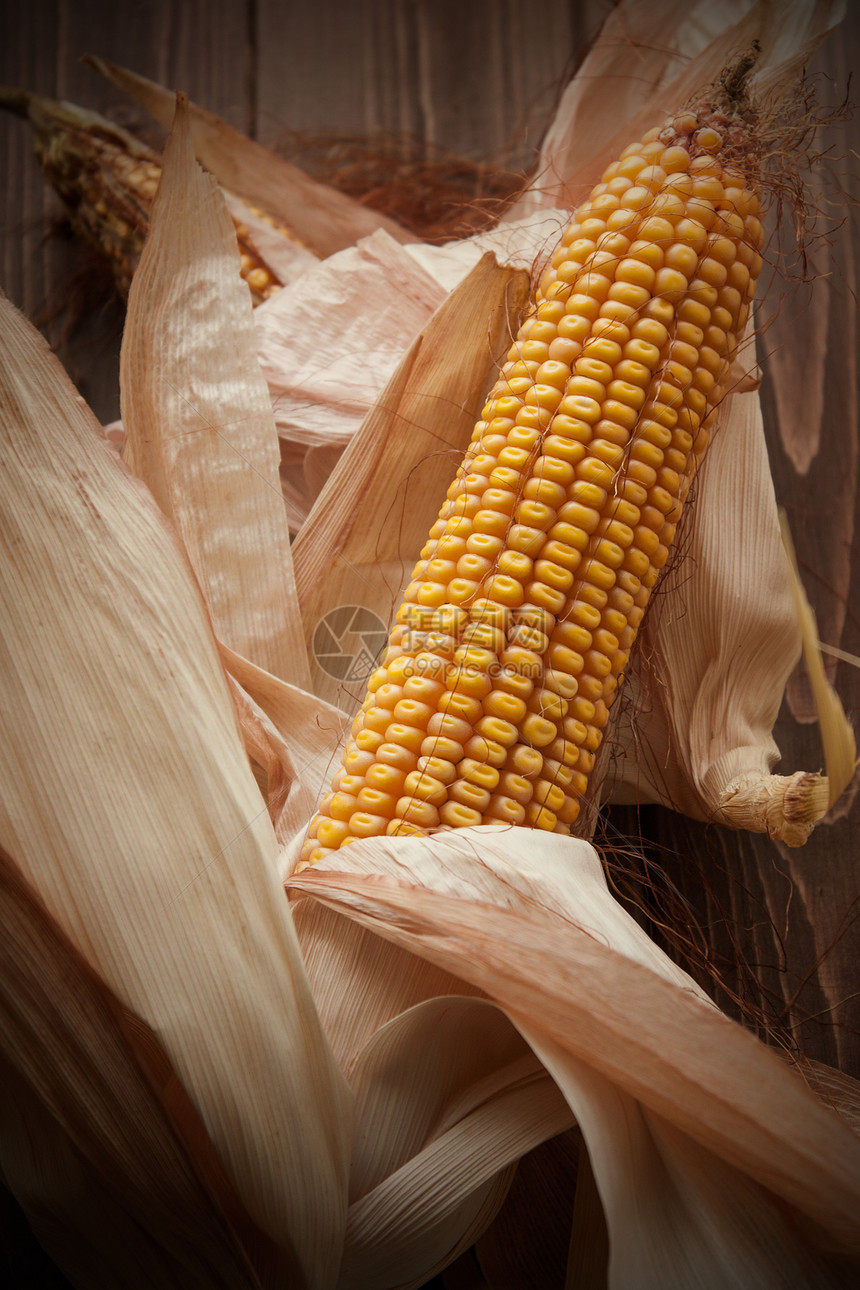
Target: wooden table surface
[[481, 77]]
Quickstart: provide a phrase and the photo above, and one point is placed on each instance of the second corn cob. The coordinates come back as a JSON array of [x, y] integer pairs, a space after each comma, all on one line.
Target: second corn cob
[[107, 180], [494, 695]]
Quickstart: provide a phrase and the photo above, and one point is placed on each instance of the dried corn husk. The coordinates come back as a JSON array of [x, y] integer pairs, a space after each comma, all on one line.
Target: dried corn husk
[[690, 1153], [376, 298], [727, 632], [129, 805], [381, 298], [207, 446], [325, 219], [89, 1091], [413, 435]]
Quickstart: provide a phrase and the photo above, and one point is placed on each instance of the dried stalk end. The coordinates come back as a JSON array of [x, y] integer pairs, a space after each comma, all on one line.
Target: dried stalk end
[[107, 180], [785, 807]]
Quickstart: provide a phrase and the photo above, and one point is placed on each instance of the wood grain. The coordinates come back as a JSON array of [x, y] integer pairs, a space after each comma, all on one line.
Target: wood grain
[[478, 78]]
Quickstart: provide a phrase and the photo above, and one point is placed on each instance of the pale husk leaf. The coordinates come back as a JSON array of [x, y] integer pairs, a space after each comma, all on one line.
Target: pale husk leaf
[[522, 243], [408, 1092], [295, 733], [383, 980], [447, 1096], [418, 1200], [323, 218], [130, 807], [373, 299], [624, 1033], [439, 1117], [268, 752], [676, 1214], [373, 514], [91, 1101], [409, 1267], [198, 420]]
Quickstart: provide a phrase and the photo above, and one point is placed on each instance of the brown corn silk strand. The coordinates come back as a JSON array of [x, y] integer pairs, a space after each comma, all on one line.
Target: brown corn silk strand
[[494, 695]]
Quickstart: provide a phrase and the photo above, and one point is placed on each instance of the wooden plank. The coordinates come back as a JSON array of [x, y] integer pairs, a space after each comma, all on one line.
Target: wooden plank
[[480, 79], [333, 68], [201, 46]]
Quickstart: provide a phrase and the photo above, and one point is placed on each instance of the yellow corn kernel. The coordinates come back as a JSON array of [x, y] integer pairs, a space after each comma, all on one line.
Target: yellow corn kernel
[[417, 812], [515, 787], [485, 750], [457, 815], [504, 810]]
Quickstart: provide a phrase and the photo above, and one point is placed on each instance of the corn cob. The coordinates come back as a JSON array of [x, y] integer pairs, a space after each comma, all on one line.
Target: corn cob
[[494, 695], [107, 180]]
